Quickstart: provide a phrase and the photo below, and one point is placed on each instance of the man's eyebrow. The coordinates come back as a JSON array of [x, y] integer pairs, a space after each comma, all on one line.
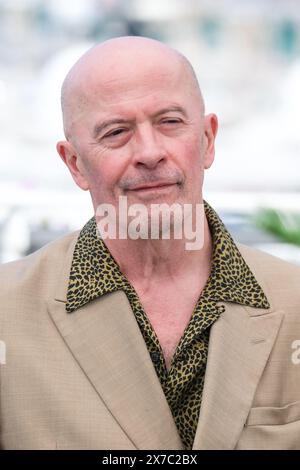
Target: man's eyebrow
[[103, 125], [100, 127], [169, 109]]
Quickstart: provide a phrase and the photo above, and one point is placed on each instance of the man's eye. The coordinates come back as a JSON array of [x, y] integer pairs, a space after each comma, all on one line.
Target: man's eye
[[114, 133], [171, 121]]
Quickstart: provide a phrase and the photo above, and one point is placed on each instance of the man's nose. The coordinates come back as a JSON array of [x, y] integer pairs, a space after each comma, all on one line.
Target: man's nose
[[148, 149]]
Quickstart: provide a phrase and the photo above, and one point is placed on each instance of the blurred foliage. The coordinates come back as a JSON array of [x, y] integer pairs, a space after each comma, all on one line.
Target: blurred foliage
[[285, 225]]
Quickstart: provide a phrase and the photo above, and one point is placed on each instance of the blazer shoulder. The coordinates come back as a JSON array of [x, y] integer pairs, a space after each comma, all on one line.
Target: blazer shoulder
[[45, 262], [279, 279], [262, 260]]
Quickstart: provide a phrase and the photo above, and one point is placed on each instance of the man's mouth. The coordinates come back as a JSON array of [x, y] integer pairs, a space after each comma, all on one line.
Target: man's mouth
[[153, 186]]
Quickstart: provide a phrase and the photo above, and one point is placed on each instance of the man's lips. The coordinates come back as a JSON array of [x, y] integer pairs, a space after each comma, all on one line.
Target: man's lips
[[156, 185]]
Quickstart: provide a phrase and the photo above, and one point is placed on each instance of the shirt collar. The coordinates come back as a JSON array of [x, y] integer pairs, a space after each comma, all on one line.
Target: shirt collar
[[94, 272], [231, 279]]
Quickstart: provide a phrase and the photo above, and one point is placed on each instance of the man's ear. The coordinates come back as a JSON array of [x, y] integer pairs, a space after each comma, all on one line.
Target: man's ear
[[210, 131], [73, 161]]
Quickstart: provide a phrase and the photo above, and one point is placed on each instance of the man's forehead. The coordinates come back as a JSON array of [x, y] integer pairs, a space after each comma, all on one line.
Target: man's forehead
[[142, 77], [131, 95], [135, 86]]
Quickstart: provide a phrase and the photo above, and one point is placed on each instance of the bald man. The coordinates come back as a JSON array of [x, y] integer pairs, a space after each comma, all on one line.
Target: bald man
[[138, 342]]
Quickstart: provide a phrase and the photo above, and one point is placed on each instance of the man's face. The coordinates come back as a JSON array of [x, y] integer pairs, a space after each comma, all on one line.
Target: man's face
[[142, 135]]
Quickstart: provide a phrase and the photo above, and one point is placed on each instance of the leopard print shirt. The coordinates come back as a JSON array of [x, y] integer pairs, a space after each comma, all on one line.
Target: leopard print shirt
[[94, 272]]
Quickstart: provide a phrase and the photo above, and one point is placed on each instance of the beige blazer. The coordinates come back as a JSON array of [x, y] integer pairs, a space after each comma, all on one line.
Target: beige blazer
[[86, 381]]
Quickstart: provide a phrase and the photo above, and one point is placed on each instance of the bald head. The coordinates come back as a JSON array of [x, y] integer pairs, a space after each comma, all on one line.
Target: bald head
[[111, 62]]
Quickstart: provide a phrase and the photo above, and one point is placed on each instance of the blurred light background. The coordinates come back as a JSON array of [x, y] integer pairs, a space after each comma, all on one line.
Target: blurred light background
[[246, 54]]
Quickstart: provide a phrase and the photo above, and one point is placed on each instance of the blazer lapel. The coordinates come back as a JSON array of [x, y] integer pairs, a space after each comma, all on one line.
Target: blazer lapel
[[105, 339], [240, 344]]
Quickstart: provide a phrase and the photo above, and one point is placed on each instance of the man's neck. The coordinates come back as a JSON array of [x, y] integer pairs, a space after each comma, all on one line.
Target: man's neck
[[148, 263]]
